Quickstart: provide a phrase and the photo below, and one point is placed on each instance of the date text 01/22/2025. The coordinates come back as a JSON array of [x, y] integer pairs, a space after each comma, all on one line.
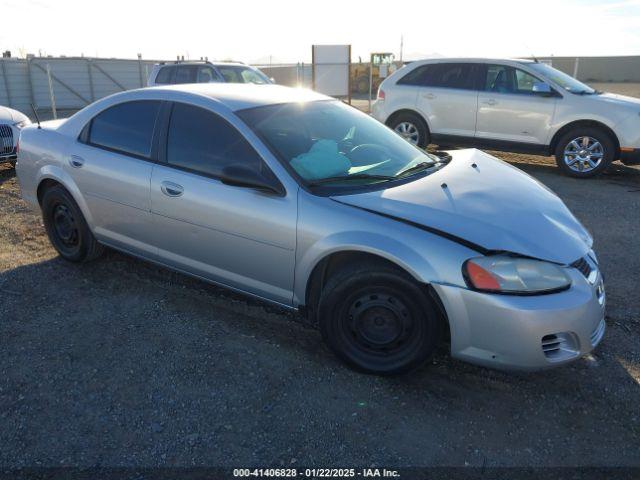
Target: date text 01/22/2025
[[315, 473]]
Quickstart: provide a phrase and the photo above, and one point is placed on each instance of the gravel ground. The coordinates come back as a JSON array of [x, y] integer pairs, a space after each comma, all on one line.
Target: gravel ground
[[121, 363]]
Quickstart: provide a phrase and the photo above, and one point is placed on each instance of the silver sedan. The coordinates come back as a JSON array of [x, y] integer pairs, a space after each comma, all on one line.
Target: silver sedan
[[300, 200]]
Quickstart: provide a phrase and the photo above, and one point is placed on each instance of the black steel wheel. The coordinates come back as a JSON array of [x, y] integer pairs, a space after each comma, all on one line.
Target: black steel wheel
[[378, 321], [66, 227]]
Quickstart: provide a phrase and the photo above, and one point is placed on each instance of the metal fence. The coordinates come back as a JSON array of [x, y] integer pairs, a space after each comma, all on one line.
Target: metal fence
[[66, 84]]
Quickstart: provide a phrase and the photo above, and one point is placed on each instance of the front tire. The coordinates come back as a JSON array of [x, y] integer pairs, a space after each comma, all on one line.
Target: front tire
[[378, 320], [412, 128], [584, 152], [66, 227]]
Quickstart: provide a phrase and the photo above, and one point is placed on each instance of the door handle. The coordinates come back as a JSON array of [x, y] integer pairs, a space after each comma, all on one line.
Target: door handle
[[171, 189], [491, 101], [430, 96], [76, 162]]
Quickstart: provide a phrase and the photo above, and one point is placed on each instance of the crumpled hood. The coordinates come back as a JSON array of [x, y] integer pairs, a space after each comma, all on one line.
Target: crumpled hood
[[494, 205], [9, 115], [6, 114]]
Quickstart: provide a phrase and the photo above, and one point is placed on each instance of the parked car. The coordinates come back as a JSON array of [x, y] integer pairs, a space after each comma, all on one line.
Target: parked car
[[205, 72], [306, 202], [512, 105], [11, 122]]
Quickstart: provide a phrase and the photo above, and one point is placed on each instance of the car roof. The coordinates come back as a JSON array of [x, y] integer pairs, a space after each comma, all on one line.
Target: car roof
[[473, 60], [239, 96], [202, 62]]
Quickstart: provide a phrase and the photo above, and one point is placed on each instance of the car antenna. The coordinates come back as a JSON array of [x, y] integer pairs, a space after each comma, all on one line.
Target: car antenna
[[35, 114]]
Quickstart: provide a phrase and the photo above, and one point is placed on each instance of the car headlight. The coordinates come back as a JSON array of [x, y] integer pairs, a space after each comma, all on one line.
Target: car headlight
[[514, 275], [22, 124]]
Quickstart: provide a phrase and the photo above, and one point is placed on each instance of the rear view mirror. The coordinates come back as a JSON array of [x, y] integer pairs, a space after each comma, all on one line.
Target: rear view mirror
[[243, 176]]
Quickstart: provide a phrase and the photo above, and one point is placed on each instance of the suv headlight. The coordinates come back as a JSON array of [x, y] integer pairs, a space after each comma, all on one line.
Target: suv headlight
[[514, 275]]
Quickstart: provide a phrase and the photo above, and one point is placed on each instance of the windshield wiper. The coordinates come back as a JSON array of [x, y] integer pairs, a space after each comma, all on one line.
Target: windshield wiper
[[416, 168], [355, 176]]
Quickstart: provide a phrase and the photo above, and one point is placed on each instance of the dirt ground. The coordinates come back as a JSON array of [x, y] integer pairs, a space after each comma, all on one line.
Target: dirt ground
[[121, 363]]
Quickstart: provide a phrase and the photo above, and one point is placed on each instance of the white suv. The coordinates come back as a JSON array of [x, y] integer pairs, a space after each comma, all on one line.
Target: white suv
[[205, 72], [512, 105]]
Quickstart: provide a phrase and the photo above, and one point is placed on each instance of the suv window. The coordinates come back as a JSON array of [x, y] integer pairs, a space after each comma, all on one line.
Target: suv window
[[164, 75], [206, 74], [444, 75], [506, 79], [452, 75], [126, 127], [203, 142], [417, 76], [185, 74]]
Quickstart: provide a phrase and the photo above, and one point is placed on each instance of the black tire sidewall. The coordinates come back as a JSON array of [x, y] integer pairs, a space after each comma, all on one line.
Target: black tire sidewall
[[53, 197], [605, 140], [334, 303], [423, 131]]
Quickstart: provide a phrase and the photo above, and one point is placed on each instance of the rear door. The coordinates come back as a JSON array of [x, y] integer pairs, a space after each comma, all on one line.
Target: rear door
[[239, 237], [509, 110], [111, 164], [448, 98]]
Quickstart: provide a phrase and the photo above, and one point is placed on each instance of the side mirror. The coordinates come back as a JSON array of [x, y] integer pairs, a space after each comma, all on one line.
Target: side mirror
[[243, 176], [542, 88]]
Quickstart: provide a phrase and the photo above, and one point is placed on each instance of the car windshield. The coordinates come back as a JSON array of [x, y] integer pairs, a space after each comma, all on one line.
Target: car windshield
[[240, 74], [567, 82], [328, 142]]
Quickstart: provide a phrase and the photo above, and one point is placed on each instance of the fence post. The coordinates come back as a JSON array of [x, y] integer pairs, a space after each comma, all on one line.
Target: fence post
[[53, 97], [140, 70], [6, 83], [575, 68], [90, 72], [30, 81]]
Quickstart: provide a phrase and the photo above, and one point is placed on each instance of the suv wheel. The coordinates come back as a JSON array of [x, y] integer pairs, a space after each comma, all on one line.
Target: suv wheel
[[585, 152], [412, 128], [378, 320], [66, 227]]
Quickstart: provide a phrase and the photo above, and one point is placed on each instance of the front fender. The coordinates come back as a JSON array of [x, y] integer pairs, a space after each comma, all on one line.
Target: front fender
[[366, 242]]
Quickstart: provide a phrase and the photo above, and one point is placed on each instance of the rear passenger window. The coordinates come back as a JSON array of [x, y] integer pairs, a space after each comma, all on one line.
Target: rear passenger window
[[127, 127], [452, 75], [417, 76], [164, 75], [203, 142], [185, 74]]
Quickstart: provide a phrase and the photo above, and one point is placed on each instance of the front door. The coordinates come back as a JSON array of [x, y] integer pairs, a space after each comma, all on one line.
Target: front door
[[509, 110], [239, 237]]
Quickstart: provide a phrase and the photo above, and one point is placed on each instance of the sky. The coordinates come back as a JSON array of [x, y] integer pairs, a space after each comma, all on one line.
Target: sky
[[260, 31]]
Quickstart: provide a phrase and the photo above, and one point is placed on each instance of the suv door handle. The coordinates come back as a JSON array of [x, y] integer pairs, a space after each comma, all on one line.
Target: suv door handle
[[430, 96], [491, 101], [171, 189], [76, 162]]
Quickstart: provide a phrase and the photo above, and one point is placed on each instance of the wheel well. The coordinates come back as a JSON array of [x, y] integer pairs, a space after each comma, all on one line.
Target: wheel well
[[395, 114], [583, 123], [43, 186], [336, 261]]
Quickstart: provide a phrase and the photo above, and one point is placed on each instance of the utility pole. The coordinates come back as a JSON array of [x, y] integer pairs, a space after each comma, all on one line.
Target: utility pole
[[401, 46]]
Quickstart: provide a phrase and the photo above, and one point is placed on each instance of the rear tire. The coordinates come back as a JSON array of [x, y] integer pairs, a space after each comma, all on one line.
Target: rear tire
[[412, 128], [378, 320], [66, 227], [584, 152]]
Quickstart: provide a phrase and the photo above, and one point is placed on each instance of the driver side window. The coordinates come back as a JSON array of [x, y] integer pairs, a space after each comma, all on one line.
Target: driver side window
[[506, 79]]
